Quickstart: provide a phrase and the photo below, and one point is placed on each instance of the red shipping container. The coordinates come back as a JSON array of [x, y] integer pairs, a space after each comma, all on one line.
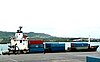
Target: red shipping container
[[36, 42]]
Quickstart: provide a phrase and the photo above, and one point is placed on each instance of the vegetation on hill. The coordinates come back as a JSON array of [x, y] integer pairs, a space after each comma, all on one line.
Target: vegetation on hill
[[5, 37]]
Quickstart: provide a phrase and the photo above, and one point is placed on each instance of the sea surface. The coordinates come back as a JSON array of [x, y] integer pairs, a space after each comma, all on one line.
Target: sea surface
[[4, 47]]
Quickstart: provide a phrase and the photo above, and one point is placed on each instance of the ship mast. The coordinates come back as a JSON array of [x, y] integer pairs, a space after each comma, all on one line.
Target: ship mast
[[89, 39], [20, 27]]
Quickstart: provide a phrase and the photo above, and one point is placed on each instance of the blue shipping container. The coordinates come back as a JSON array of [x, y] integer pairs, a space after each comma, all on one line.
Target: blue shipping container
[[55, 45], [80, 44], [57, 49], [36, 50]]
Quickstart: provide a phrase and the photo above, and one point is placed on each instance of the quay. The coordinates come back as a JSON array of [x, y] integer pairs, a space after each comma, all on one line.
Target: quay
[[49, 57]]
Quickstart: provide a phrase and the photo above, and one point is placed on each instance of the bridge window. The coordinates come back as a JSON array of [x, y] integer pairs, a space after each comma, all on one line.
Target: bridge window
[[20, 41]]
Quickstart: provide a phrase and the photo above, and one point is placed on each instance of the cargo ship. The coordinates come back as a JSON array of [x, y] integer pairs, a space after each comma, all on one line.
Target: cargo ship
[[21, 43]]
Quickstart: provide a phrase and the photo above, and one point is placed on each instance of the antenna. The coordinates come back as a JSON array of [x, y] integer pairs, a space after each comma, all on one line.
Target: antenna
[[89, 39], [20, 27]]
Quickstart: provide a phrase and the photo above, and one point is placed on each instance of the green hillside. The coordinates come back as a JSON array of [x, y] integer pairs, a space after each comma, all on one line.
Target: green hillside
[[5, 37]]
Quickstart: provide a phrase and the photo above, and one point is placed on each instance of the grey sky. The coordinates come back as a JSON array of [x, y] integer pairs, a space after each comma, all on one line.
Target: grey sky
[[63, 18]]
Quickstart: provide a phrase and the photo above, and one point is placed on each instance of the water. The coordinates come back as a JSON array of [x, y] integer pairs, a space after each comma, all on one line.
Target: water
[[4, 47]]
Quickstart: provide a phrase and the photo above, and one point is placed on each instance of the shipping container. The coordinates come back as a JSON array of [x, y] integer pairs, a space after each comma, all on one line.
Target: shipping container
[[55, 47], [79, 47], [36, 41], [36, 50], [79, 44], [36, 46]]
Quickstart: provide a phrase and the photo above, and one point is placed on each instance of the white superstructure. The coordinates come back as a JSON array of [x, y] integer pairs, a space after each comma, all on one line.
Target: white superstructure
[[20, 40]]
